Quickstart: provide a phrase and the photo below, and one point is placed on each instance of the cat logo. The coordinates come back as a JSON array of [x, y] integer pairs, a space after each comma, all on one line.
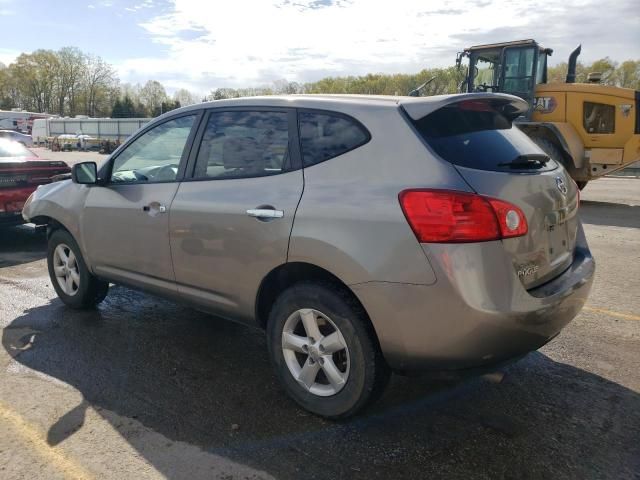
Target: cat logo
[[544, 104]]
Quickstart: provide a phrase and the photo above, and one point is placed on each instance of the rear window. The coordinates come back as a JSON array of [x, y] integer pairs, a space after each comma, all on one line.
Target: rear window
[[599, 118], [324, 136], [477, 136]]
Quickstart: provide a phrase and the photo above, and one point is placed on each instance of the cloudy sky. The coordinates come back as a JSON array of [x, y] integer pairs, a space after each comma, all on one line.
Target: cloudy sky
[[201, 45]]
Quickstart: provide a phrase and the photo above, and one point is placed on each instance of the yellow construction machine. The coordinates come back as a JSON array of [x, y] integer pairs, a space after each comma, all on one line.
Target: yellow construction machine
[[592, 129]]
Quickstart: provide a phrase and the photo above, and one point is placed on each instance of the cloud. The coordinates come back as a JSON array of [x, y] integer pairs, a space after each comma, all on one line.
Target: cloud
[[8, 55], [5, 8], [242, 42]]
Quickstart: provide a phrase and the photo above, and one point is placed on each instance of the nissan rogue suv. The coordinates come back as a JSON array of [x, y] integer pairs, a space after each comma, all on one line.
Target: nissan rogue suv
[[364, 234]]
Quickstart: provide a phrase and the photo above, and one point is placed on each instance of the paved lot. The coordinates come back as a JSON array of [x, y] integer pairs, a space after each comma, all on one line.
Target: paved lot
[[70, 157], [144, 388]]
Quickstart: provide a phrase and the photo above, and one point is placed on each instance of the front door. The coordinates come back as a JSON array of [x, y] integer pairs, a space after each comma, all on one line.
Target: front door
[[230, 224], [126, 221], [519, 72]]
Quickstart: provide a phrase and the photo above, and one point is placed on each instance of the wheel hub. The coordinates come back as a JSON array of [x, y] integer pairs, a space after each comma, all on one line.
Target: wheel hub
[[315, 352]]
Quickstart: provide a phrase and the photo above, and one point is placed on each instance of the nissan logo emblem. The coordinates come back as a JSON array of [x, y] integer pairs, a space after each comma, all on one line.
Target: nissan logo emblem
[[561, 185]]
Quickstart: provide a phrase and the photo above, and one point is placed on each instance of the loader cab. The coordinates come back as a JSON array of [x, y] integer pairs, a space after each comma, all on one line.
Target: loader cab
[[510, 67]]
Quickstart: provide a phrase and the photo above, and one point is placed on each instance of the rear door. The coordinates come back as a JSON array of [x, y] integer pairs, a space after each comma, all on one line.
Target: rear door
[[519, 72], [498, 160], [230, 223]]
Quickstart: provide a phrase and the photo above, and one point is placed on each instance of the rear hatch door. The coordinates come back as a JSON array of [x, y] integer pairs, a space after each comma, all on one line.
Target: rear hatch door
[[497, 160]]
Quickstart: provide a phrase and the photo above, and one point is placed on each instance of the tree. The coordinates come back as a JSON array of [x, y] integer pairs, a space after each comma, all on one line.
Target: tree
[[71, 66], [184, 97], [152, 96], [628, 74], [35, 79], [607, 68], [167, 106], [99, 83], [222, 93], [6, 100]]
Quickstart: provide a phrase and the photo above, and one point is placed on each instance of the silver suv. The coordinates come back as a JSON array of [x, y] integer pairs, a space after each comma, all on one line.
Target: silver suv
[[364, 234]]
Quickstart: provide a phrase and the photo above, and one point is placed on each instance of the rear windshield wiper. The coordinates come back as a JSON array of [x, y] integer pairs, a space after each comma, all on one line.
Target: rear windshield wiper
[[533, 160]]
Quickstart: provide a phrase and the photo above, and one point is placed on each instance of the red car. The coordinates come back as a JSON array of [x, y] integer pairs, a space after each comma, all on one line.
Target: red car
[[21, 171]]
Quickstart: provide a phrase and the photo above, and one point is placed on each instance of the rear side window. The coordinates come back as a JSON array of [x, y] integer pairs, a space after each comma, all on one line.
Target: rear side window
[[475, 135], [244, 144], [599, 118], [324, 136]]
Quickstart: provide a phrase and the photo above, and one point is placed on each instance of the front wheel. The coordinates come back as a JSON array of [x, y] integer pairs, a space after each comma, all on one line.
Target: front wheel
[[71, 279], [324, 350]]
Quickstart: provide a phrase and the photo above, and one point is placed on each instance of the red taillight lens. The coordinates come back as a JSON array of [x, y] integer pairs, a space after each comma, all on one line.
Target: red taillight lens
[[444, 216], [512, 221]]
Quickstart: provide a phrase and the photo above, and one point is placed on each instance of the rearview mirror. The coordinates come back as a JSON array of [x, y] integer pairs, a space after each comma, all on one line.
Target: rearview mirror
[[85, 173]]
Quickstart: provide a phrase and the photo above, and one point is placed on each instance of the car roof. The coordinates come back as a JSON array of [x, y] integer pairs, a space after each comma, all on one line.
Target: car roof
[[416, 107]]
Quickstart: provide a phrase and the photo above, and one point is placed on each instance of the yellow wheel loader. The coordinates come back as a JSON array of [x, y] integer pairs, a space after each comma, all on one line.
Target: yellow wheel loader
[[592, 129]]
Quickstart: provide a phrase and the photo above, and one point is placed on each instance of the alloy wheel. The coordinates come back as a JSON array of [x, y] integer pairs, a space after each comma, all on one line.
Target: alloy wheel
[[315, 352], [65, 267]]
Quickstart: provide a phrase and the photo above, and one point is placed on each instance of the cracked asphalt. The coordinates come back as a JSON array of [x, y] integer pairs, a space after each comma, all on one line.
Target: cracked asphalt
[[145, 388]]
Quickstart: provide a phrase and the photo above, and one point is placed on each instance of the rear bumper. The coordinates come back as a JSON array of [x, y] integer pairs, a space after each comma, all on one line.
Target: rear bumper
[[12, 218], [477, 313], [11, 203]]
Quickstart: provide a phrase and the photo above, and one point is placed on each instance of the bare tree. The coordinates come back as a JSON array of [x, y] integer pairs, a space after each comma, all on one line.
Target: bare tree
[[152, 96], [71, 69], [185, 97], [99, 80]]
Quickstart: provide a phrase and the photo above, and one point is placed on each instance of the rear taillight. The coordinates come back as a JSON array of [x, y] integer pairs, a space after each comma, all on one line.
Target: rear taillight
[[445, 216]]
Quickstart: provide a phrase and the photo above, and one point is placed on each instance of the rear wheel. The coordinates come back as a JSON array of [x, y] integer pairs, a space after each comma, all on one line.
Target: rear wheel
[[324, 352], [71, 279]]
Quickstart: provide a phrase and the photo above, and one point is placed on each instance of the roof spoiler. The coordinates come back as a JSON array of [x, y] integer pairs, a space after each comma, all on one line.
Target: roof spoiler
[[509, 105]]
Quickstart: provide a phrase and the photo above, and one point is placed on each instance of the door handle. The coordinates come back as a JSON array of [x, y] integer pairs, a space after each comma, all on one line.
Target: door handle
[[155, 207], [266, 213]]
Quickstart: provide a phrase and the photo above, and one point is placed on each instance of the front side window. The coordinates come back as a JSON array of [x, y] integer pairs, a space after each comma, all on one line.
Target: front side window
[[155, 156], [324, 136], [599, 118], [242, 144]]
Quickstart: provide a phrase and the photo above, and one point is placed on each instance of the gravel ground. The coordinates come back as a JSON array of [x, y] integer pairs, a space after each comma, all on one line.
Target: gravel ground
[[145, 388]]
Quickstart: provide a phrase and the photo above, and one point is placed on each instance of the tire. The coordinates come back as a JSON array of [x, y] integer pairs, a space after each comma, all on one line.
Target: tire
[[85, 290], [361, 366], [550, 149]]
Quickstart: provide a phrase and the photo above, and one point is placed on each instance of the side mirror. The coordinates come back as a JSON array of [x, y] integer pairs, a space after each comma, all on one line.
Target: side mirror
[[85, 173]]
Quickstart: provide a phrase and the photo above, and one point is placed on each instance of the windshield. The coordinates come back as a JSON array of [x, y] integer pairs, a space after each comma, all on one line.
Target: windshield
[[9, 149]]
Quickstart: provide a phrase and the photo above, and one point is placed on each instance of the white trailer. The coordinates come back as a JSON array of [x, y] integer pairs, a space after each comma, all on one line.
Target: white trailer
[[101, 128], [115, 129], [40, 131], [19, 120]]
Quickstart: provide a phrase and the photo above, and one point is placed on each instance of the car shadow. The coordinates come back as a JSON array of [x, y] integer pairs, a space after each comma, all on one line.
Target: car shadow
[[610, 214], [197, 379], [21, 244]]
